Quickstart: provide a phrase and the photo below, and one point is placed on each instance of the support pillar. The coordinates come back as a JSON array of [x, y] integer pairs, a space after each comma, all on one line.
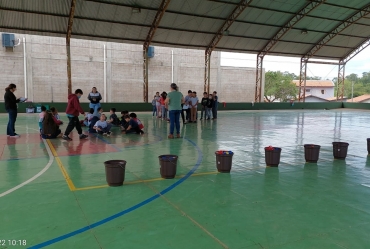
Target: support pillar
[[259, 72], [207, 70], [302, 80], [340, 83], [68, 44], [145, 74]]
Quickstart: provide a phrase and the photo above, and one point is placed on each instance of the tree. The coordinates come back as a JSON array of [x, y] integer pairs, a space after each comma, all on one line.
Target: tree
[[279, 86]]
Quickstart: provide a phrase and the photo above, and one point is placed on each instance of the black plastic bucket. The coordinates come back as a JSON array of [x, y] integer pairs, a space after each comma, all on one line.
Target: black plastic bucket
[[168, 166], [340, 150], [311, 153], [224, 162], [115, 172], [272, 157]]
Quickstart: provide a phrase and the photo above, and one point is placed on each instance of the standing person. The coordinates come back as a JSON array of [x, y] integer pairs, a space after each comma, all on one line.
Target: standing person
[[163, 105], [72, 111], [209, 107], [173, 102], [154, 106], [215, 105], [187, 102], [94, 98], [194, 105], [204, 103], [10, 102], [158, 104]]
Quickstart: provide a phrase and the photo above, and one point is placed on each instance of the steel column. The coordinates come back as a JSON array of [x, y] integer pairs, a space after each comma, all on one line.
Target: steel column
[[68, 44], [157, 19], [340, 83], [302, 80], [259, 68], [207, 72], [218, 36], [276, 38]]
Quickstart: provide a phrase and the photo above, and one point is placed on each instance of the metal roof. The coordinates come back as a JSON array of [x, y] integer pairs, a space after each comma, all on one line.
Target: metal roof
[[195, 23]]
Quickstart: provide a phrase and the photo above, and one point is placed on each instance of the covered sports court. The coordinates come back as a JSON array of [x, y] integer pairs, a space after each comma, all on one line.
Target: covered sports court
[[53, 193]]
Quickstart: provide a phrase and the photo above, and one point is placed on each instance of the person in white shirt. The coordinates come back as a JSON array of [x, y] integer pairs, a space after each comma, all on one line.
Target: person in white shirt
[[102, 126], [194, 105]]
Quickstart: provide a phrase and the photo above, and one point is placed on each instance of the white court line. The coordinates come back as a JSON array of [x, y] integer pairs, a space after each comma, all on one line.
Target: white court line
[[51, 160], [365, 185]]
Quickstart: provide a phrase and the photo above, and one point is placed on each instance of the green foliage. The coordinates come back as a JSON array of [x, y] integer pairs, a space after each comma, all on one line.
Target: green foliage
[[361, 85], [279, 85]]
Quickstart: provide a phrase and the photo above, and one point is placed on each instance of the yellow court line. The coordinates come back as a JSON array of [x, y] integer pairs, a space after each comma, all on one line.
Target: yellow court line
[[61, 167], [144, 181]]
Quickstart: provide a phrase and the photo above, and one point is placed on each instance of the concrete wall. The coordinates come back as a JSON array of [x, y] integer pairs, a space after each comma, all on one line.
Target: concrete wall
[[46, 71]]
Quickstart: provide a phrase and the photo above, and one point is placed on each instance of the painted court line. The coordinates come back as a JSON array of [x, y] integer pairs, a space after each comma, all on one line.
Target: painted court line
[[51, 160], [61, 167], [143, 181], [128, 210]]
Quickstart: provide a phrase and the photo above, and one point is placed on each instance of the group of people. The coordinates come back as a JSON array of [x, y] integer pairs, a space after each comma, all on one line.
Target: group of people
[[173, 102], [209, 107]]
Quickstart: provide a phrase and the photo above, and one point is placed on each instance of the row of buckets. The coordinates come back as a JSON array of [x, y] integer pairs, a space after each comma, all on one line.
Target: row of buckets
[[115, 169]]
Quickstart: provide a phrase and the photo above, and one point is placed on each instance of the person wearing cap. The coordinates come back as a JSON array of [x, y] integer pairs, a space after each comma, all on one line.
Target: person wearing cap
[[173, 103]]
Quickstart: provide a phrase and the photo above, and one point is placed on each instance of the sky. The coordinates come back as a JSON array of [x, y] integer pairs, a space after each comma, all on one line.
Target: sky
[[359, 64]]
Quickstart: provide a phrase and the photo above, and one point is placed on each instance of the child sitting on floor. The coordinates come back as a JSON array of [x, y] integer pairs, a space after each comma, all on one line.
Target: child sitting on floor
[[55, 113], [113, 119], [89, 116], [124, 124], [135, 125], [50, 129], [102, 126], [41, 117]]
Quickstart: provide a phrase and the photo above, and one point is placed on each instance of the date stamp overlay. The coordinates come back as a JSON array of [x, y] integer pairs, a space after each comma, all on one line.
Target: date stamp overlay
[[13, 242]]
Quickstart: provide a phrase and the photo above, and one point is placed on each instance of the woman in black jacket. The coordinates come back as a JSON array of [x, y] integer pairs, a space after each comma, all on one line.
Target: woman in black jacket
[[11, 107]]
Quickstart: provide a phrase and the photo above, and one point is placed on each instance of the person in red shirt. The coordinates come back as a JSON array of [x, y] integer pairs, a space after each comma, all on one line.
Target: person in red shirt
[[73, 111]]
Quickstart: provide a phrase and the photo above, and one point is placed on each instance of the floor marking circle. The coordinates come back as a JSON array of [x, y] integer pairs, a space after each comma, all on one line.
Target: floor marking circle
[[128, 210], [51, 160]]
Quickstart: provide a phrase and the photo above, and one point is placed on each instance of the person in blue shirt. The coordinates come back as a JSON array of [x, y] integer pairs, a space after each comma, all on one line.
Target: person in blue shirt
[[133, 126]]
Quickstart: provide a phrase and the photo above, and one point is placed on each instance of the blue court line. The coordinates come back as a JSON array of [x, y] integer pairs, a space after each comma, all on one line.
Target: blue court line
[[128, 210]]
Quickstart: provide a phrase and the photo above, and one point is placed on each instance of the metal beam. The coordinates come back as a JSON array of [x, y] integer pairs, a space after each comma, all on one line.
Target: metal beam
[[157, 19], [259, 71], [276, 38], [173, 12], [302, 80], [323, 62], [338, 29], [356, 51], [311, 5], [340, 83], [68, 44], [218, 36]]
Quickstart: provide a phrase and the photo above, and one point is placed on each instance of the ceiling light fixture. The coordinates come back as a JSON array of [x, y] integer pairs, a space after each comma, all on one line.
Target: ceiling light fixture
[[304, 32]]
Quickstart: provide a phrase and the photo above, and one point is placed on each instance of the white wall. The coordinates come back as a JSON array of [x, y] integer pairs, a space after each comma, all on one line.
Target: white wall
[[316, 91], [313, 99]]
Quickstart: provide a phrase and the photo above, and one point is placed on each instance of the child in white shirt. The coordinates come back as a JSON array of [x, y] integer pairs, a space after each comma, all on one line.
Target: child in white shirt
[[102, 126], [194, 105]]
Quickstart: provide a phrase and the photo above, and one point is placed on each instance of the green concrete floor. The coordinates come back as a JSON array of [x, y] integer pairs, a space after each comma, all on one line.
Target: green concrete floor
[[297, 205]]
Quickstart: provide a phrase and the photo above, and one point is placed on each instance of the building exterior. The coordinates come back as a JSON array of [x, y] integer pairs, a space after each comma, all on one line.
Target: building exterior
[[360, 99], [40, 64], [311, 98], [323, 89]]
